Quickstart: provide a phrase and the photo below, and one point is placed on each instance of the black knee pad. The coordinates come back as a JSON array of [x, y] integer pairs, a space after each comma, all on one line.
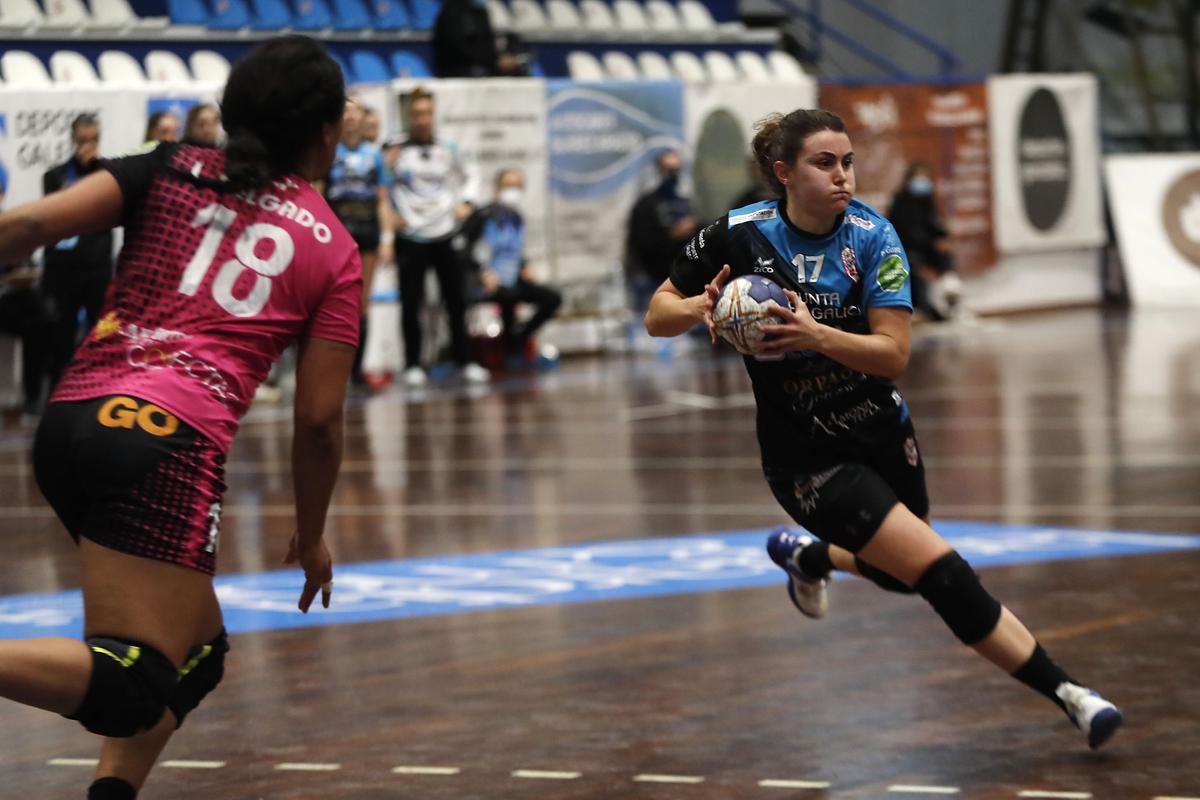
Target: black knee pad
[[954, 591], [201, 672], [129, 688]]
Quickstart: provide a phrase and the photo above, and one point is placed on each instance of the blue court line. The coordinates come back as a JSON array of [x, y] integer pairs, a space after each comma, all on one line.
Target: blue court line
[[612, 570]]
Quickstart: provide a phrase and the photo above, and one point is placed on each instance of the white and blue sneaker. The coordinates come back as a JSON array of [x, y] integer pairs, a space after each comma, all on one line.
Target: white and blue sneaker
[[810, 595], [1090, 712]]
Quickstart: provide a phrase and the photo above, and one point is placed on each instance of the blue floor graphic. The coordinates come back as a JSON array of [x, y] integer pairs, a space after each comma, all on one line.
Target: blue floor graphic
[[612, 570]]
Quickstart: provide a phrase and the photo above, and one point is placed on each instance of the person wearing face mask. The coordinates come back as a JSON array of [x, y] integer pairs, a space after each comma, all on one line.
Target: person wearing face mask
[[77, 269], [660, 223], [494, 239], [935, 286], [839, 448]]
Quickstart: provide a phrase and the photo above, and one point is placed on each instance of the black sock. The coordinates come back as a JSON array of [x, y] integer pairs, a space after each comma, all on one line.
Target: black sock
[[814, 560], [111, 789], [1043, 675], [880, 578]]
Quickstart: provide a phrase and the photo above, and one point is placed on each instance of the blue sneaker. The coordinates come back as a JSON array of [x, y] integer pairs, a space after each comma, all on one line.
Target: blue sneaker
[[1090, 712], [810, 595]]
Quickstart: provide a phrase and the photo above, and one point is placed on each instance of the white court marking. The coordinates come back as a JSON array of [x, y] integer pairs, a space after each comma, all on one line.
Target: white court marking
[[1063, 795], [73, 762], [180, 764], [415, 770], [784, 784], [651, 778], [292, 766], [904, 788], [548, 775]]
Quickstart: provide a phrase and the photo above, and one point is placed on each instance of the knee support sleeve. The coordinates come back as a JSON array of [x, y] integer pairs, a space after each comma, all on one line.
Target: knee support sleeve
[[201, 672], [128, 690], [954, 591]]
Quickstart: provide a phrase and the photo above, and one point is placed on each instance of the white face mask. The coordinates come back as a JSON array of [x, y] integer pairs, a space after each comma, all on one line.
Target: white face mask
[[510, 197]]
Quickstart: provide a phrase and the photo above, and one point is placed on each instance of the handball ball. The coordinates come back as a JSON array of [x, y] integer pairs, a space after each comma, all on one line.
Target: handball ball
[[741, 311]]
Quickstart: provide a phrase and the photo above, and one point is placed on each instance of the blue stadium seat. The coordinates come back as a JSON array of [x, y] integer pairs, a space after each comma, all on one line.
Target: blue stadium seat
[[270, 15], [187, 12], [409, 65], [350, 15], [536, 71], [347, 74], [229, 15], [369, 68], [424, 13], [312, 15], [390, 15]]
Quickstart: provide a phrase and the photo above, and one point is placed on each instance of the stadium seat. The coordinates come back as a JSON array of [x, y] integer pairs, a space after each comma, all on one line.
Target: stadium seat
[[187, 12], [621, 66], [389, 15], [69, 68], [753, 66], [311, 15], [498, 15], [583, 66], [229, 15], [20, 14], [164, 66], [528, 17], [631, 17], [654, 66], [350, 15], [696, 17], [563, 16], [721, 67], [209, 65], [407, 64], [369, 68], [689, 67], [65, 14], [536, 70], [24, 69], [347, 74], [597, 17], [424, 13], [663, 17], [117, 66], [110, 14], [784, 67], [269, 15]]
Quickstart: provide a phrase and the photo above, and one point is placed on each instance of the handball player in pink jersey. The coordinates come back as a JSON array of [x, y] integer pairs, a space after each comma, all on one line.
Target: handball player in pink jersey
[[230, 256]]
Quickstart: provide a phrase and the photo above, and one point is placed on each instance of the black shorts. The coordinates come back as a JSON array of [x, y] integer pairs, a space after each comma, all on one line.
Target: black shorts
[[845, 503], [130, 476]]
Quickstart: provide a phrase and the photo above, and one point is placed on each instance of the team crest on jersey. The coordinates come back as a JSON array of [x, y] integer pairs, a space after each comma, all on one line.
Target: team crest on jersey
[[910, 451], [861, 222], [849, 263]]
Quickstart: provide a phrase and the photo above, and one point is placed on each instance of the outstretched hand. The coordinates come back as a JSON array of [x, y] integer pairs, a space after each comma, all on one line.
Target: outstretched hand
[[712, 293], [318, 571], [795, 330]]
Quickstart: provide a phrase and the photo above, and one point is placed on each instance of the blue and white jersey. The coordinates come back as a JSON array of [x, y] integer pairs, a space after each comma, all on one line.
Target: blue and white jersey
[[352, 188], [806, 398]]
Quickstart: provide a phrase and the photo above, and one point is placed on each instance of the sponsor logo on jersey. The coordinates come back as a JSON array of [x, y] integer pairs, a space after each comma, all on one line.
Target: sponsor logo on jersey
[[910, 451], [125, 412], [109, 324], [849, 263], [808, 492], [763, 265], [862, 222], [214, 527], [892, 274], [691, 251], [753, 216]]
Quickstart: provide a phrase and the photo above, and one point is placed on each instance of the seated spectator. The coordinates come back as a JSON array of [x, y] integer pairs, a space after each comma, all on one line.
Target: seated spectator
[[23, 314], [495, 243], [936, 288], [163, 126], [660, 224], [203, 125]]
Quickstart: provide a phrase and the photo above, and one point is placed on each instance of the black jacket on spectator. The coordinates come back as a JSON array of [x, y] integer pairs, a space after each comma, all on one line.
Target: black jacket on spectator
[[464, 44], [650, 248], [93, 251]]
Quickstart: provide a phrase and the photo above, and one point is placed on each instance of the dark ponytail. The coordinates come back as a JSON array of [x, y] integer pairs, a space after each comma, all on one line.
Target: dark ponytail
[[276, 103], [780, 137]]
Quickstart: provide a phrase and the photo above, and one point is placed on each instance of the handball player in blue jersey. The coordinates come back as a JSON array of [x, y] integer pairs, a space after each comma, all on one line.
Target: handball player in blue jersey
[[838, 446]]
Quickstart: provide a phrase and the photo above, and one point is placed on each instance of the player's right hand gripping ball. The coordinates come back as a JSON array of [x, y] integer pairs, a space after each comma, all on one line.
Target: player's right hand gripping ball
[[741, 311]]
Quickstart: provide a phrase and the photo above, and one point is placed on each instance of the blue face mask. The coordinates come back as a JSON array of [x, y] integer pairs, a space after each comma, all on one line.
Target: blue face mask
[[920, 186]]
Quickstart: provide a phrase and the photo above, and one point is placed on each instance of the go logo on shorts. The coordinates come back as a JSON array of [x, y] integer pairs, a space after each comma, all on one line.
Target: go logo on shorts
[[125, 412]]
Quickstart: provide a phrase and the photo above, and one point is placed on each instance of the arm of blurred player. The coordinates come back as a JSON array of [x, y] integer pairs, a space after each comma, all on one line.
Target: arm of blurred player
[[93, 204]]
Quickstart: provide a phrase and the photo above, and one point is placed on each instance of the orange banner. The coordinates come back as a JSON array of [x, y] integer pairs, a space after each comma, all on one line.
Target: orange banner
[[944, 126]]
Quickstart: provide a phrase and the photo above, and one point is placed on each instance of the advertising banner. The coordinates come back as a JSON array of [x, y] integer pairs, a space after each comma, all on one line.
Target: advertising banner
[[1156, 210], [720, 126], [603, 139], [945, 127], [1046, 162]]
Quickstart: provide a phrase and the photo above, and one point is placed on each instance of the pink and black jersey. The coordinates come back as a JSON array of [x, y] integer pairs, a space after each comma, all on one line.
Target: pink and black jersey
[[212, 286]]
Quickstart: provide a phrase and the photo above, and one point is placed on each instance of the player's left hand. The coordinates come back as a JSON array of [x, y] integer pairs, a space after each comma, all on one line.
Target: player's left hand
[[796, 329]]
